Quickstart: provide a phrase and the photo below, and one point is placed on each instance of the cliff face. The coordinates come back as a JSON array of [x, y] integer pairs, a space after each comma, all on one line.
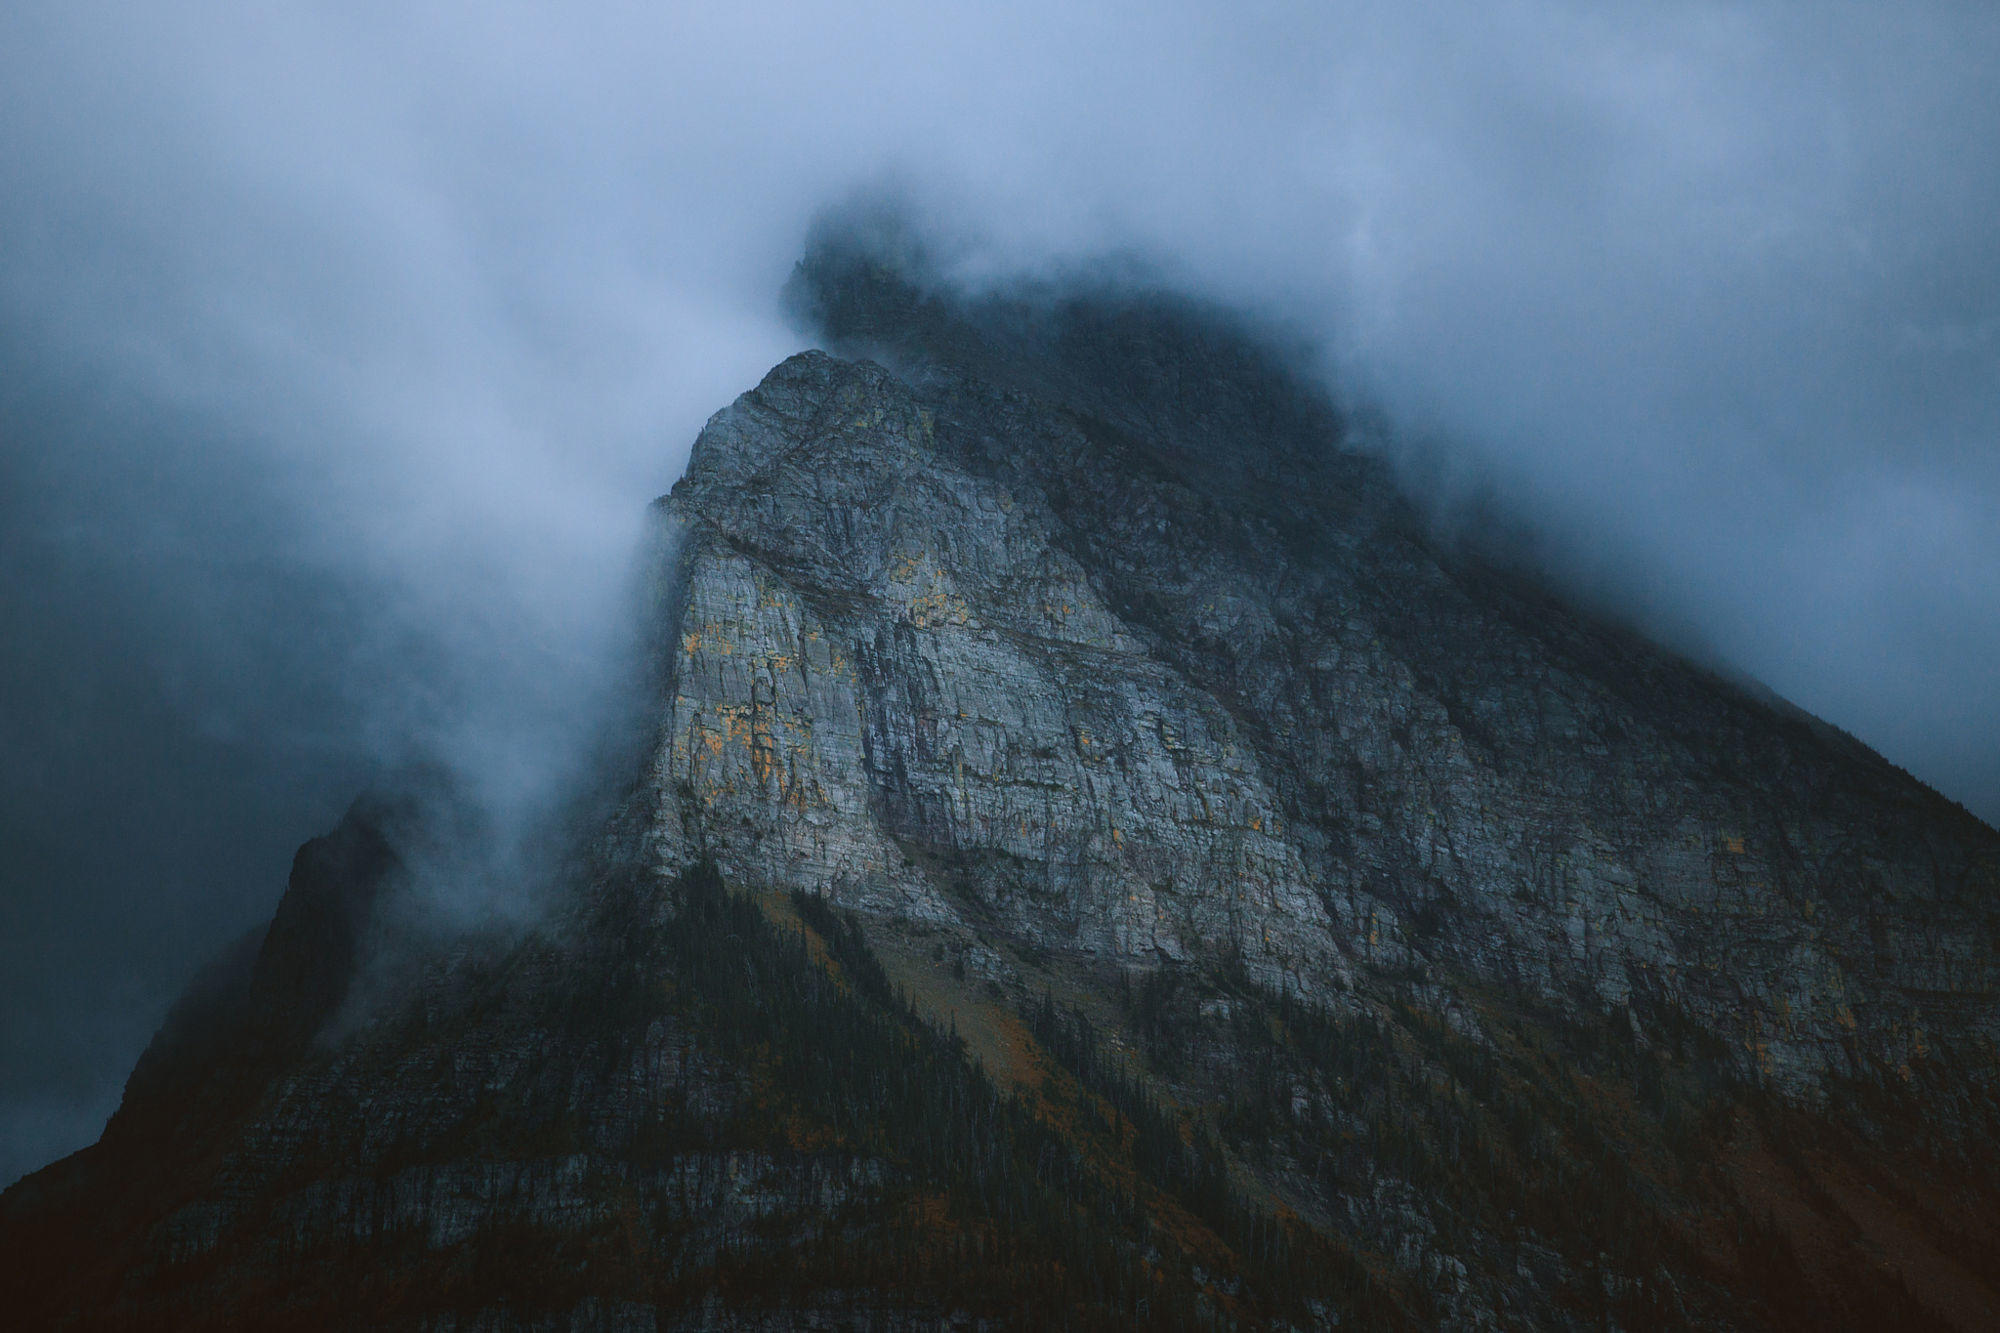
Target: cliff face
[[1148, 721], [1102, 862]]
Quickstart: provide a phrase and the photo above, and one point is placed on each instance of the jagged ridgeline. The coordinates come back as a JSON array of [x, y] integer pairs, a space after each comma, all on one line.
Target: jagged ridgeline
[[1100, 863]]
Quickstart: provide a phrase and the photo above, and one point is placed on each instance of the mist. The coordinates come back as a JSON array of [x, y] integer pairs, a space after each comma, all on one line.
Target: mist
[[341, 348]]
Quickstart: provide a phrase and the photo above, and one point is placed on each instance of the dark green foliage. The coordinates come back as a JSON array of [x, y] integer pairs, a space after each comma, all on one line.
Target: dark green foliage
[[1128, 1189], [847, 1064], [1280, 1262], [1577, 1138], [1026, 1223], [950, 1196], [1342, 1099]]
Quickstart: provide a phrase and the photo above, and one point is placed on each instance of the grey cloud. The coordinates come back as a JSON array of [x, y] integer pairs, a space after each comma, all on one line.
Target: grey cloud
[[343, 345]]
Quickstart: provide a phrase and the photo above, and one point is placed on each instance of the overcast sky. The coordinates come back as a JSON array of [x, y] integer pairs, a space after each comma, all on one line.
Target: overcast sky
[[341, 346]]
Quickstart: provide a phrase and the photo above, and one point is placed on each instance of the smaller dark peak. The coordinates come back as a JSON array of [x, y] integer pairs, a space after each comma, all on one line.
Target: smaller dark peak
[[417, 809], [259, 1004], [270, 994], [313, 947]]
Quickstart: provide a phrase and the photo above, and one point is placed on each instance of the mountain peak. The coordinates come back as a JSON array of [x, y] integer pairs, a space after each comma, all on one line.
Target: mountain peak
[[803, 403], [1101, 864], [1189, 376]]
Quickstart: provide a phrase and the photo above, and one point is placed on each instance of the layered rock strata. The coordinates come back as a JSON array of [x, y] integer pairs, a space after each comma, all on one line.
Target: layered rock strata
[[951, 626]]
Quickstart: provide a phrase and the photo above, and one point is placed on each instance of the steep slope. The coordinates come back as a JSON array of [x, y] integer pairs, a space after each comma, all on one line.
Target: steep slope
[[1100, 863], [1563, 805], [1152, 731], [678, 1105]]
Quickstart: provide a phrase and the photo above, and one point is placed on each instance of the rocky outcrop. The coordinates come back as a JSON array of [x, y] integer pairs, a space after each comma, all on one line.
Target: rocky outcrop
[[1100, 861], [1153, 708], [885, 661]]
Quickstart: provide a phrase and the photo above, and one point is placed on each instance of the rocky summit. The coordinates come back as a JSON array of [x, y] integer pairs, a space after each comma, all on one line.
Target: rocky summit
[[1098, 859]]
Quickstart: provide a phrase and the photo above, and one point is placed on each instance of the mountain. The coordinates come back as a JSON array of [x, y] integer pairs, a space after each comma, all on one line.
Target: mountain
[[1098, 860]]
